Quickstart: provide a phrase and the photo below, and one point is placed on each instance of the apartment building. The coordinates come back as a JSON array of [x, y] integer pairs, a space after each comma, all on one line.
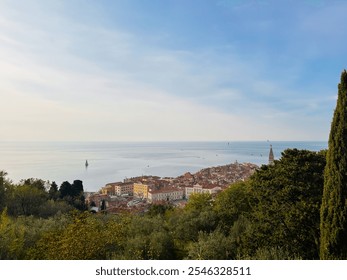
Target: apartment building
[[141, 190], [118, 189], [109, 188], [124, 189], [165, 194]]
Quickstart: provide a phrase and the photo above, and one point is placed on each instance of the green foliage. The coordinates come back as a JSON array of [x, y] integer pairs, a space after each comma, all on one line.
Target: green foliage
[[77, 188], [211, 246], [25, 200], [158, 209], [232, 203], [30, 198], [185, 224], [19, 235], [147, 239], [334, 203], [239, 234], [285, 203], [65, 190], [4, 185], [272, 253], [51, 208], [86, 237], [11, 239], [34, 183], [73, 194], [53, 192], [199, 202]]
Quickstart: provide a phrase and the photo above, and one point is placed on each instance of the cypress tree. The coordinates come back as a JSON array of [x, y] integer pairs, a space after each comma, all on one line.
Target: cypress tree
[[333, 225]]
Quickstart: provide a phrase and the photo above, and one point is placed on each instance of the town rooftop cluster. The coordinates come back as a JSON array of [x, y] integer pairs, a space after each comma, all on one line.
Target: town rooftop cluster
[[138, 193]]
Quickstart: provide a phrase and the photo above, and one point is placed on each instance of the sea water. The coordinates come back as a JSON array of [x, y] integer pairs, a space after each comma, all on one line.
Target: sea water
[[115, 161]]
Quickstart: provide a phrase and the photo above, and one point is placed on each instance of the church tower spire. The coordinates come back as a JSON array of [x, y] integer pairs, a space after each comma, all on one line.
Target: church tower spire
[[271, 156]]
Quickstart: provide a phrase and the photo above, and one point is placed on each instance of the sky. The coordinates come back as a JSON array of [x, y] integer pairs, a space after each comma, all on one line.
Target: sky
[[170, 70]]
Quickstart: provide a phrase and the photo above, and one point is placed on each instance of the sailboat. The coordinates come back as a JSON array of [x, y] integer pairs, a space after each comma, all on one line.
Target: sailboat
[[86, 163]]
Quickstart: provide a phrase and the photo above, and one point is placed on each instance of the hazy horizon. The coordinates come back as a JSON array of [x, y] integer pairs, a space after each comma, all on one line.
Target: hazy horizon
[[115, 161], [159, 141]]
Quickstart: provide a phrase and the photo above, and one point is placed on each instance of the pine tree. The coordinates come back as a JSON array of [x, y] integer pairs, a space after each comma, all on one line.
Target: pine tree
[[333, 225]]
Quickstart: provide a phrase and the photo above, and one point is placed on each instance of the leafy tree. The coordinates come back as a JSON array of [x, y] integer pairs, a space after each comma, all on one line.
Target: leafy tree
[[73, 194], [86, 237], [232, 203], [285, 205], [34, 183], [66, 190], [79, 202], [50, 208], [147, 239], [211, 246], [185, 224], [272, 253], [25, 200], [29, 197], [76, 188], [4, 185], [11, 239], [239, 234], [158, 209], [199, 202], [334, 204], [53, 191]]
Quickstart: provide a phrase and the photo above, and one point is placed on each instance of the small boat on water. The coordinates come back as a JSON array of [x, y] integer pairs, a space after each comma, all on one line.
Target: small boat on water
[[86, 163]]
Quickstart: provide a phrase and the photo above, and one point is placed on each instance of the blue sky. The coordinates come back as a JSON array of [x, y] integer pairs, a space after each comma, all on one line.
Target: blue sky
[[150, 70]]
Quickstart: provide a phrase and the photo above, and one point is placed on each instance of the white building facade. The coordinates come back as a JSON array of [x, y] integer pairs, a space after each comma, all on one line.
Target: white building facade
[[167, 194]]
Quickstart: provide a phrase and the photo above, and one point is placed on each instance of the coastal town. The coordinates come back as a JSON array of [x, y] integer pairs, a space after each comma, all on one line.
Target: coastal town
[[138, 193]]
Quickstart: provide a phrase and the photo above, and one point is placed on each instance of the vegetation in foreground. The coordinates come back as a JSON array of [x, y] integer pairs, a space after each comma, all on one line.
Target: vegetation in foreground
[[334, 205]]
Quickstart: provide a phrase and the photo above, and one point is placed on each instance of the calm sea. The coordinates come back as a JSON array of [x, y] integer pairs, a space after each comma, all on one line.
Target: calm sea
[[115, 161]]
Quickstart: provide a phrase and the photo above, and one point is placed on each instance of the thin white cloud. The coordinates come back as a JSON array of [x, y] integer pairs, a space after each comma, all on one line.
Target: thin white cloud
[[64, 80]]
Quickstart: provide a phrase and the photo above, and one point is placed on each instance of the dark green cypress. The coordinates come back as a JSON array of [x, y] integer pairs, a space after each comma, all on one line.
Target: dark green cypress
[[333, 226]]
